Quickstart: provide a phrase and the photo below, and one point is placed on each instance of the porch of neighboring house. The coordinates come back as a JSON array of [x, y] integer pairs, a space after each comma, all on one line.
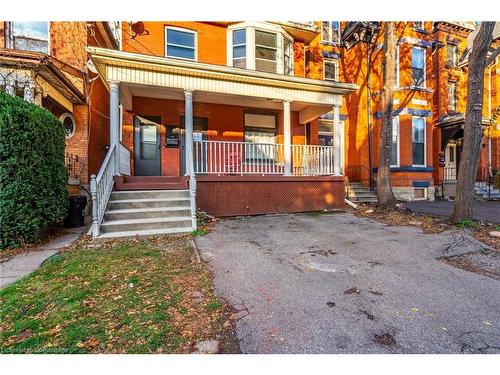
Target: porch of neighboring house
[[230, 141], [452, 133]]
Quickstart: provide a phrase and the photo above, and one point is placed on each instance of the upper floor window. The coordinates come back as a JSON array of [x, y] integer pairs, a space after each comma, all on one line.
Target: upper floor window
[[451, 55], [288, 56], [30, 36], [266, 48], [330, 32], [239, 48], [418, 66], [180, 43], [260, 46], [418, 25], [331, 70], [452, 96]]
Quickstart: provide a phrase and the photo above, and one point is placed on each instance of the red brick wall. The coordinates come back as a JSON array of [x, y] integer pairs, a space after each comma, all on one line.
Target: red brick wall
[[225, 122], [2, 34], [68, 41]]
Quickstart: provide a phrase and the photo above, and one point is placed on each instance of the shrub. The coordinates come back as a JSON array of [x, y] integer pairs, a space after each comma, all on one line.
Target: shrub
[[33, 177]]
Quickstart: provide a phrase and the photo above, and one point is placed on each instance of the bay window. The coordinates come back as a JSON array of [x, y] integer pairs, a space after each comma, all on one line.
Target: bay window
[[330, 32], [265, 51], [260, 46], [418, 141], [418, 66], [180, 43], [239, 48]]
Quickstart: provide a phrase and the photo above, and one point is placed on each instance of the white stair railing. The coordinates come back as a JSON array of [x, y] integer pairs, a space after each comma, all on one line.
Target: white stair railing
[[101, 187]]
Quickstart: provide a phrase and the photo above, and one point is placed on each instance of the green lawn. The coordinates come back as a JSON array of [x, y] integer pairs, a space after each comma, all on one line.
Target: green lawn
[[129, 296]]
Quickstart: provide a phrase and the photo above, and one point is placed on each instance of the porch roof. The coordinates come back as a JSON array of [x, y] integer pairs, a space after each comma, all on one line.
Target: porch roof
[[157, 71]]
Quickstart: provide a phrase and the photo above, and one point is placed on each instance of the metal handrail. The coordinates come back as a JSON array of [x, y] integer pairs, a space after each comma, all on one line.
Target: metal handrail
[[101, 187]]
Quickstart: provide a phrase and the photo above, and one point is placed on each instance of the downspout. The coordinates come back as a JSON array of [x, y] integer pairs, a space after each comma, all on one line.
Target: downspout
[[368, 111]]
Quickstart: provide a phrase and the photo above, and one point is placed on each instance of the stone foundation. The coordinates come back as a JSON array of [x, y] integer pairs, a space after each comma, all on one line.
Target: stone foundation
[[407, 193]]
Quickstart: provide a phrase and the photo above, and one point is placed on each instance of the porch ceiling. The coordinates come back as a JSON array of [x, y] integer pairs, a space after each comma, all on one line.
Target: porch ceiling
[[133, 70], [131, 90]]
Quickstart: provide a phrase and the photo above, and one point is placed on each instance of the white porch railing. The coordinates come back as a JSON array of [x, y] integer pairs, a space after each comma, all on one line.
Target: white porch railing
[[247, 158], [100, 188]]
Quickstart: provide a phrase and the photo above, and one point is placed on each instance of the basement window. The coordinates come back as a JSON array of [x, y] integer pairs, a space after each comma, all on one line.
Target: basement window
[[419, 193]]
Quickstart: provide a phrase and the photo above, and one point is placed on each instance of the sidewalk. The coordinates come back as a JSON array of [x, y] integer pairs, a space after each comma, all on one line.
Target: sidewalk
[[23, 264]]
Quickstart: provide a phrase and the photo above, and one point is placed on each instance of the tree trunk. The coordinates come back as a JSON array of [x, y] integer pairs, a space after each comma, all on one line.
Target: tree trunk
[[473, 132], [386, 199]]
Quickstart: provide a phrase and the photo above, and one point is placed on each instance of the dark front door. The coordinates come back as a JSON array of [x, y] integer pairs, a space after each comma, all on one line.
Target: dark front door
[[147, 146]]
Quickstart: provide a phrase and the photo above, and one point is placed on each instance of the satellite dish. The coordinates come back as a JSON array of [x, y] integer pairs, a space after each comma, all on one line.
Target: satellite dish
[[138, 28], [91, 67]]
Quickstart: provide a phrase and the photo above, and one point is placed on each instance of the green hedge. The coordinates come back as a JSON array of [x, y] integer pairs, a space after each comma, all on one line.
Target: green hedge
[[33, 177]]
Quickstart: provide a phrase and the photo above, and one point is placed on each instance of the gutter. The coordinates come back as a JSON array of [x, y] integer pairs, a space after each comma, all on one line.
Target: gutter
[[235, 73]]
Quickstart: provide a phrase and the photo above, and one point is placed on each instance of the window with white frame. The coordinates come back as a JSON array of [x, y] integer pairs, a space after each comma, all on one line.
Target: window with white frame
[[418, 141], [30, 36], [452, 96], [331, 70], [180, 43], [240, 48], [260, 129], [330, 32], [451, 55], [418, 66], [395, 142], [287, 56], [266, 51]]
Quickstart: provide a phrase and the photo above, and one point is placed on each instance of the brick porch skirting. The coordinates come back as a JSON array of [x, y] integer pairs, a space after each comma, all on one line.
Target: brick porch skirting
[[254, 195]]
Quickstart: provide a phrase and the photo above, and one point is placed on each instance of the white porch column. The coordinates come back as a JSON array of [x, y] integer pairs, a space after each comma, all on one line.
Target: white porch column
[[336, 138], [188, 132], [287, 135], [114, 122]]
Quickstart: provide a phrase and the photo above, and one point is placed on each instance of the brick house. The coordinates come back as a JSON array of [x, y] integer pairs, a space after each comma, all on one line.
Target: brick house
[[47, 63], [237, 118], [429, 106]]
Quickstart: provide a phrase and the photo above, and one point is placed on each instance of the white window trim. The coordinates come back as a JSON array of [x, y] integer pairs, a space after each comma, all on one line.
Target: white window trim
[[398, 143], [425, 67], [334, 61], [178, 45], [425, 141], [278, 48], [251, 27], [330, 29], [10, 37], [292, 56], [425, 193]]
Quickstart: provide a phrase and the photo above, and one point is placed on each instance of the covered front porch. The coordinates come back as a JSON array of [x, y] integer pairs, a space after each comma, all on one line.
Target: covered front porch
[[232, 133]]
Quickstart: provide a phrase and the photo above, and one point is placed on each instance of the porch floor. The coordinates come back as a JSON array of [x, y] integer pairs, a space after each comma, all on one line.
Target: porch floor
[[150, 183]]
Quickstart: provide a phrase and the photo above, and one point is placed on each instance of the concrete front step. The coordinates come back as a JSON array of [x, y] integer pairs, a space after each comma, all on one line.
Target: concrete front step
[[147, 203], [148, 194], [134, 225], [363, 200], [145, 232], [147, 213]]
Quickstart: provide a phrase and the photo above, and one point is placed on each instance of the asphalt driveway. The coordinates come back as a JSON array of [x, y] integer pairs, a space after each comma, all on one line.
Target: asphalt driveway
[[341, 284], [488, 211]]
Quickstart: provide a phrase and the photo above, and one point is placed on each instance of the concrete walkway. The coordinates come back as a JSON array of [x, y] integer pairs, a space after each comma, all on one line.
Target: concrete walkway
[[343, 284], [23, 264], [488, 211]]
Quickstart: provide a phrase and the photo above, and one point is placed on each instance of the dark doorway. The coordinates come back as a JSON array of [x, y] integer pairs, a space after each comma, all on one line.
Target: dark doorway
[[147, 146]]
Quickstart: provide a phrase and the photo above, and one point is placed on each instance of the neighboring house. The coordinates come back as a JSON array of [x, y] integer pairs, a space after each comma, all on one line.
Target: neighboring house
[[429, 106], [47, 63]]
